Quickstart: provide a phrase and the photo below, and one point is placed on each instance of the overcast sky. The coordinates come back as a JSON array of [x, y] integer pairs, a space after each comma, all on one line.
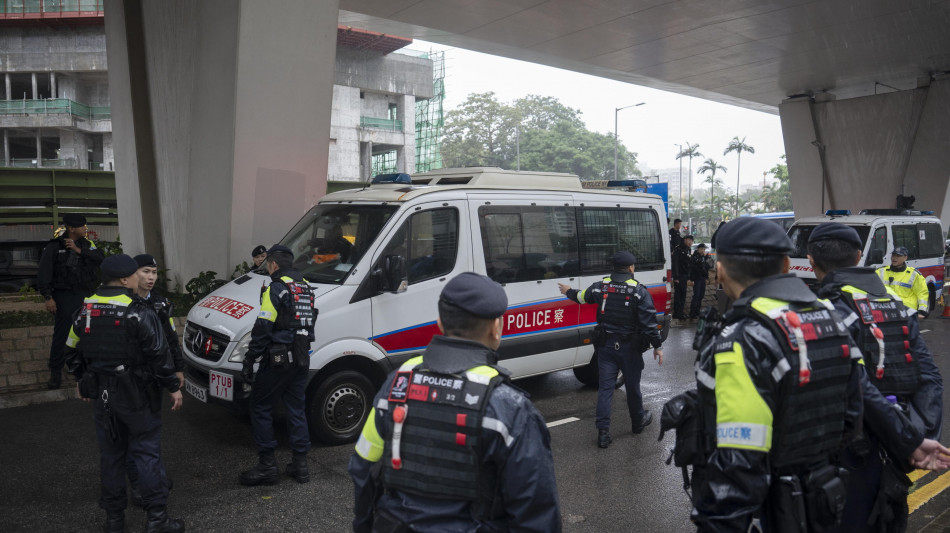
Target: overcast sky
[[652, 130]]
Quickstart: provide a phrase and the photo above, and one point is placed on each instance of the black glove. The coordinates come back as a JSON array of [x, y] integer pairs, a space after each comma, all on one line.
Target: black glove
[[247, 370]]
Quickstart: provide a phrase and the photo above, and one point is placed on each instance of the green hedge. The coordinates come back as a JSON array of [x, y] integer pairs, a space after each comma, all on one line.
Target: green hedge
[[25, 319]]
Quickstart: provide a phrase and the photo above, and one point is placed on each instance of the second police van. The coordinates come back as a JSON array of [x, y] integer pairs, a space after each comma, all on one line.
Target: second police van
[[377, 259], [881, 230]]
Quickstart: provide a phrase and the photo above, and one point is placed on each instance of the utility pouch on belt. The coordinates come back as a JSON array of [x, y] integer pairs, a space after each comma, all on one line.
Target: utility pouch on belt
[[384, 522], [131, 392], [681, 413], [598, 336], [279, 356], [786, 508], [889, 513], [89, 385], [824, 497], [643, 342], [301, 351]]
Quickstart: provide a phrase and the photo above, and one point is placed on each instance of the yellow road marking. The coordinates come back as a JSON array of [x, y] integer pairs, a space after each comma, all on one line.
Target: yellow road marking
[[927, 492], [917, 474]]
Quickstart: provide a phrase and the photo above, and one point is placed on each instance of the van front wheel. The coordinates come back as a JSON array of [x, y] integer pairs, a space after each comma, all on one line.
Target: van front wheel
[[338, 408], [588, 374]]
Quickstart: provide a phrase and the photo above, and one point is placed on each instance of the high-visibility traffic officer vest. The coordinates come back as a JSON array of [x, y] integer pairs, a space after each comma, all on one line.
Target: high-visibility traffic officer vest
[[812, 374], [909, 285], [434, 446], [618, 304], [884, 341], [303, 315], [104, 321]]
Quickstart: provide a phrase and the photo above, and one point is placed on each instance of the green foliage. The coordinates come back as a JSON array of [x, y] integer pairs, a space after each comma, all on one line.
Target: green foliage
[[24, 319], [551, 137], [777, 196], [110, 247], [29, 294], [197, 288]]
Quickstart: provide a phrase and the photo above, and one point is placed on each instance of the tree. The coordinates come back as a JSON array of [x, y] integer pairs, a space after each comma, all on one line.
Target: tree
[[778, 197], [550, 137], [691, 151], [711, 167], [737, 146]]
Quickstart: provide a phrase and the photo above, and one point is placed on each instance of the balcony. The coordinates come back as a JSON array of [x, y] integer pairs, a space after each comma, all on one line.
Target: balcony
[[381, 123], [54, 106], [51, 9]]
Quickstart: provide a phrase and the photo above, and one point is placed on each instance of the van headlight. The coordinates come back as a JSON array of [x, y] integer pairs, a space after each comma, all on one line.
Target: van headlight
[[237, 356]]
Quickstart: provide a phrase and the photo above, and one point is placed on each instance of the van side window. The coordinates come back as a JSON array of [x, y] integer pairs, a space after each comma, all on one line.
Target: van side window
[[878, 246], [528, 243], [432, 248], [604, 231], [906, 235], [931, 240]]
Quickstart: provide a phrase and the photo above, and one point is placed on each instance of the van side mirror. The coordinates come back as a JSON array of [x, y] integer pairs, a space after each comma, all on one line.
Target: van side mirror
[[391, 276], [874, 257]]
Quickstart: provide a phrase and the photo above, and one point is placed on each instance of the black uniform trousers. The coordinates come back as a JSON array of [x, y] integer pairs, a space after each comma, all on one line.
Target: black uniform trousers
[[67, 303], [679, 296], [618, 354], [137, 433], [699, 291], [287, 384]]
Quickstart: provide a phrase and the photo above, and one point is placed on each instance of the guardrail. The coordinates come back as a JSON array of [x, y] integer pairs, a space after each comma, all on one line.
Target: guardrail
[[50, 8], [41, 196], [381, 123], [54, 106]]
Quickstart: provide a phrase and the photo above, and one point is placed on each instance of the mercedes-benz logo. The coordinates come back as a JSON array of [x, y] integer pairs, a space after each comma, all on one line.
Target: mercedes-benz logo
[[197, 344]]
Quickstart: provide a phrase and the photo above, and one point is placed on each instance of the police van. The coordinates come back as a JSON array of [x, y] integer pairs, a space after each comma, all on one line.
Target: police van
[[377, 259], [881, 230]]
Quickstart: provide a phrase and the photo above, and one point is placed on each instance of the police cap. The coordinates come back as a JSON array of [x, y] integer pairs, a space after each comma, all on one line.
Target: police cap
[[279, 249], [901, 250], [701, 245], [835, 230], [258, 250], [623, 259], [476, 295], [118, 266], [74, 220], [690, 237], [145, 260], [751, 236]]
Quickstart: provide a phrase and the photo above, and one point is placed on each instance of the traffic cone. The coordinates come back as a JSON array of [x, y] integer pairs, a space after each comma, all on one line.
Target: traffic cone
[[946, 311]]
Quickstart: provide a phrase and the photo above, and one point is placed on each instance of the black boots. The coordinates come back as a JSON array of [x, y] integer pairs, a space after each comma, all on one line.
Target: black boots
[[265, 472], [55, 379], [115, 522], [644, 422], [603, 438], [298, 468], [158, 522], [136, 497]]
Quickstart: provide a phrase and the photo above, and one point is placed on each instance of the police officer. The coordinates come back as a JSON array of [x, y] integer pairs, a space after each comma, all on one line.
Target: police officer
[[258, 255], [778, 393], [626, 326], [698, 276], [904, 370], [494, 470], [280, 340], [67, 274], [675, 238], [680, 260], [117, 351], [906, 282]]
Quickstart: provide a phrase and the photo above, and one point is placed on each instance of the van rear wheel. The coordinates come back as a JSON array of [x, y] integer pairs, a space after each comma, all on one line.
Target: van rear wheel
[[338, 407]]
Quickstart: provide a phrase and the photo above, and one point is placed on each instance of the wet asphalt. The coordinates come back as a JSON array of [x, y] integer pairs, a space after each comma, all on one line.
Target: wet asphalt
[[49, 463]]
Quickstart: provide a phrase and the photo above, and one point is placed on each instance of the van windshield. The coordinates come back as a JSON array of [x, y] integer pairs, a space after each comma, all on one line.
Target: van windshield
[[800, 234], [331, 238]]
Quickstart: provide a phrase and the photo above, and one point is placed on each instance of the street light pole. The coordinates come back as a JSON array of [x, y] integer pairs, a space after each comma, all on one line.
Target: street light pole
[[616, 141], [681, 178]]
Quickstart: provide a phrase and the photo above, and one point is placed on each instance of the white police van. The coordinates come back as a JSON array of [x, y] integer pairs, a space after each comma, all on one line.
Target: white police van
[[881, 230], [378, 257]]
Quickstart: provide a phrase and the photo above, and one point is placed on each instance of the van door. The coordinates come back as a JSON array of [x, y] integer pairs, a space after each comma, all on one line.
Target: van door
[[529, 245], [877, 247], [434, 240]]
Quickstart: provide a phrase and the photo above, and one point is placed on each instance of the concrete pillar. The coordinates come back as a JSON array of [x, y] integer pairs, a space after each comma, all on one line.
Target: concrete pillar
[[366, 161], [36, 91], [6, 148], [227, 170], [52, 85], [39, 148], [7, 85], [401, 159], [874, 148], [108, 156]]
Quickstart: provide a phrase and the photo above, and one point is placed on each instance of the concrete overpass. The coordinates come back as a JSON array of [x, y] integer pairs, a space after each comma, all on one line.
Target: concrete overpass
[[860, 85]]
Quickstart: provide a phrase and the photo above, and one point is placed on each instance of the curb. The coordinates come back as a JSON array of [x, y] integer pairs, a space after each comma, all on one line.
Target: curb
[[21, 399]]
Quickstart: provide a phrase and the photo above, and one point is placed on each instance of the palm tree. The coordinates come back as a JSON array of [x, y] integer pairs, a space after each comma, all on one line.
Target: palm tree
[[711, 167], [691, 151], [737, 146]]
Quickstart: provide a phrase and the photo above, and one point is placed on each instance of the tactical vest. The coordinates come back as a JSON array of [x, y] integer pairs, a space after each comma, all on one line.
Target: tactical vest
[[104, 322], [884, 341], [618, 304], [303, 315], [436, 451], [813, 376]]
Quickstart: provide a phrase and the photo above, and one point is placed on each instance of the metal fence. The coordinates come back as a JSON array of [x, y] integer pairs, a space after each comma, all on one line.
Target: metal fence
[[381, 123], [54, 106], [41, 196], [24, 7]]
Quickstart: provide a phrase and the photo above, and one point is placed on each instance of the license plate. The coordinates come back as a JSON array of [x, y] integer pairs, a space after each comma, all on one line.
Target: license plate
[[221, 385], [200, 393]]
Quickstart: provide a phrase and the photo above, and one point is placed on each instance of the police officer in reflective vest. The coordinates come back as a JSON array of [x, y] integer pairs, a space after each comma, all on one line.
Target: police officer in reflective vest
[[906, 282], [450, 444], [67, 274], [280, 340], [117, 351], [626, 327], [898, 364], [779, 394]]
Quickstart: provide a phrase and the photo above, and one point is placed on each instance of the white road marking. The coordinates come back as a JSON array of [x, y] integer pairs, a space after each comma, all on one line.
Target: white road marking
[[563, 421], [925, 331]]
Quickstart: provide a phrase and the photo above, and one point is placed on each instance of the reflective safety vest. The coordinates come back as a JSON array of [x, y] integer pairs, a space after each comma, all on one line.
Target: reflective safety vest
[[104, 322], [303, 315], [434, 446], [618, 303], [909, 285], [812, 375], [884, 341]]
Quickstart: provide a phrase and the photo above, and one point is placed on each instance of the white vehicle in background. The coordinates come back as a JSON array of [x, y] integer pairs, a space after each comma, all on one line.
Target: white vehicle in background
[[378, 257], [881, 230]]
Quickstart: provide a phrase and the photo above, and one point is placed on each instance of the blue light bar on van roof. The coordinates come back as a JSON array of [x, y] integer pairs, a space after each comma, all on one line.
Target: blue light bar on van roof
[[392, 178], [635, 184], [838, 212], [926, 212]]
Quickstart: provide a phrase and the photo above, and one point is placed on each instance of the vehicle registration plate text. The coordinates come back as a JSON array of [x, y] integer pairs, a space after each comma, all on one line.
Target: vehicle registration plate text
[[221, 385], [200, 393]]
